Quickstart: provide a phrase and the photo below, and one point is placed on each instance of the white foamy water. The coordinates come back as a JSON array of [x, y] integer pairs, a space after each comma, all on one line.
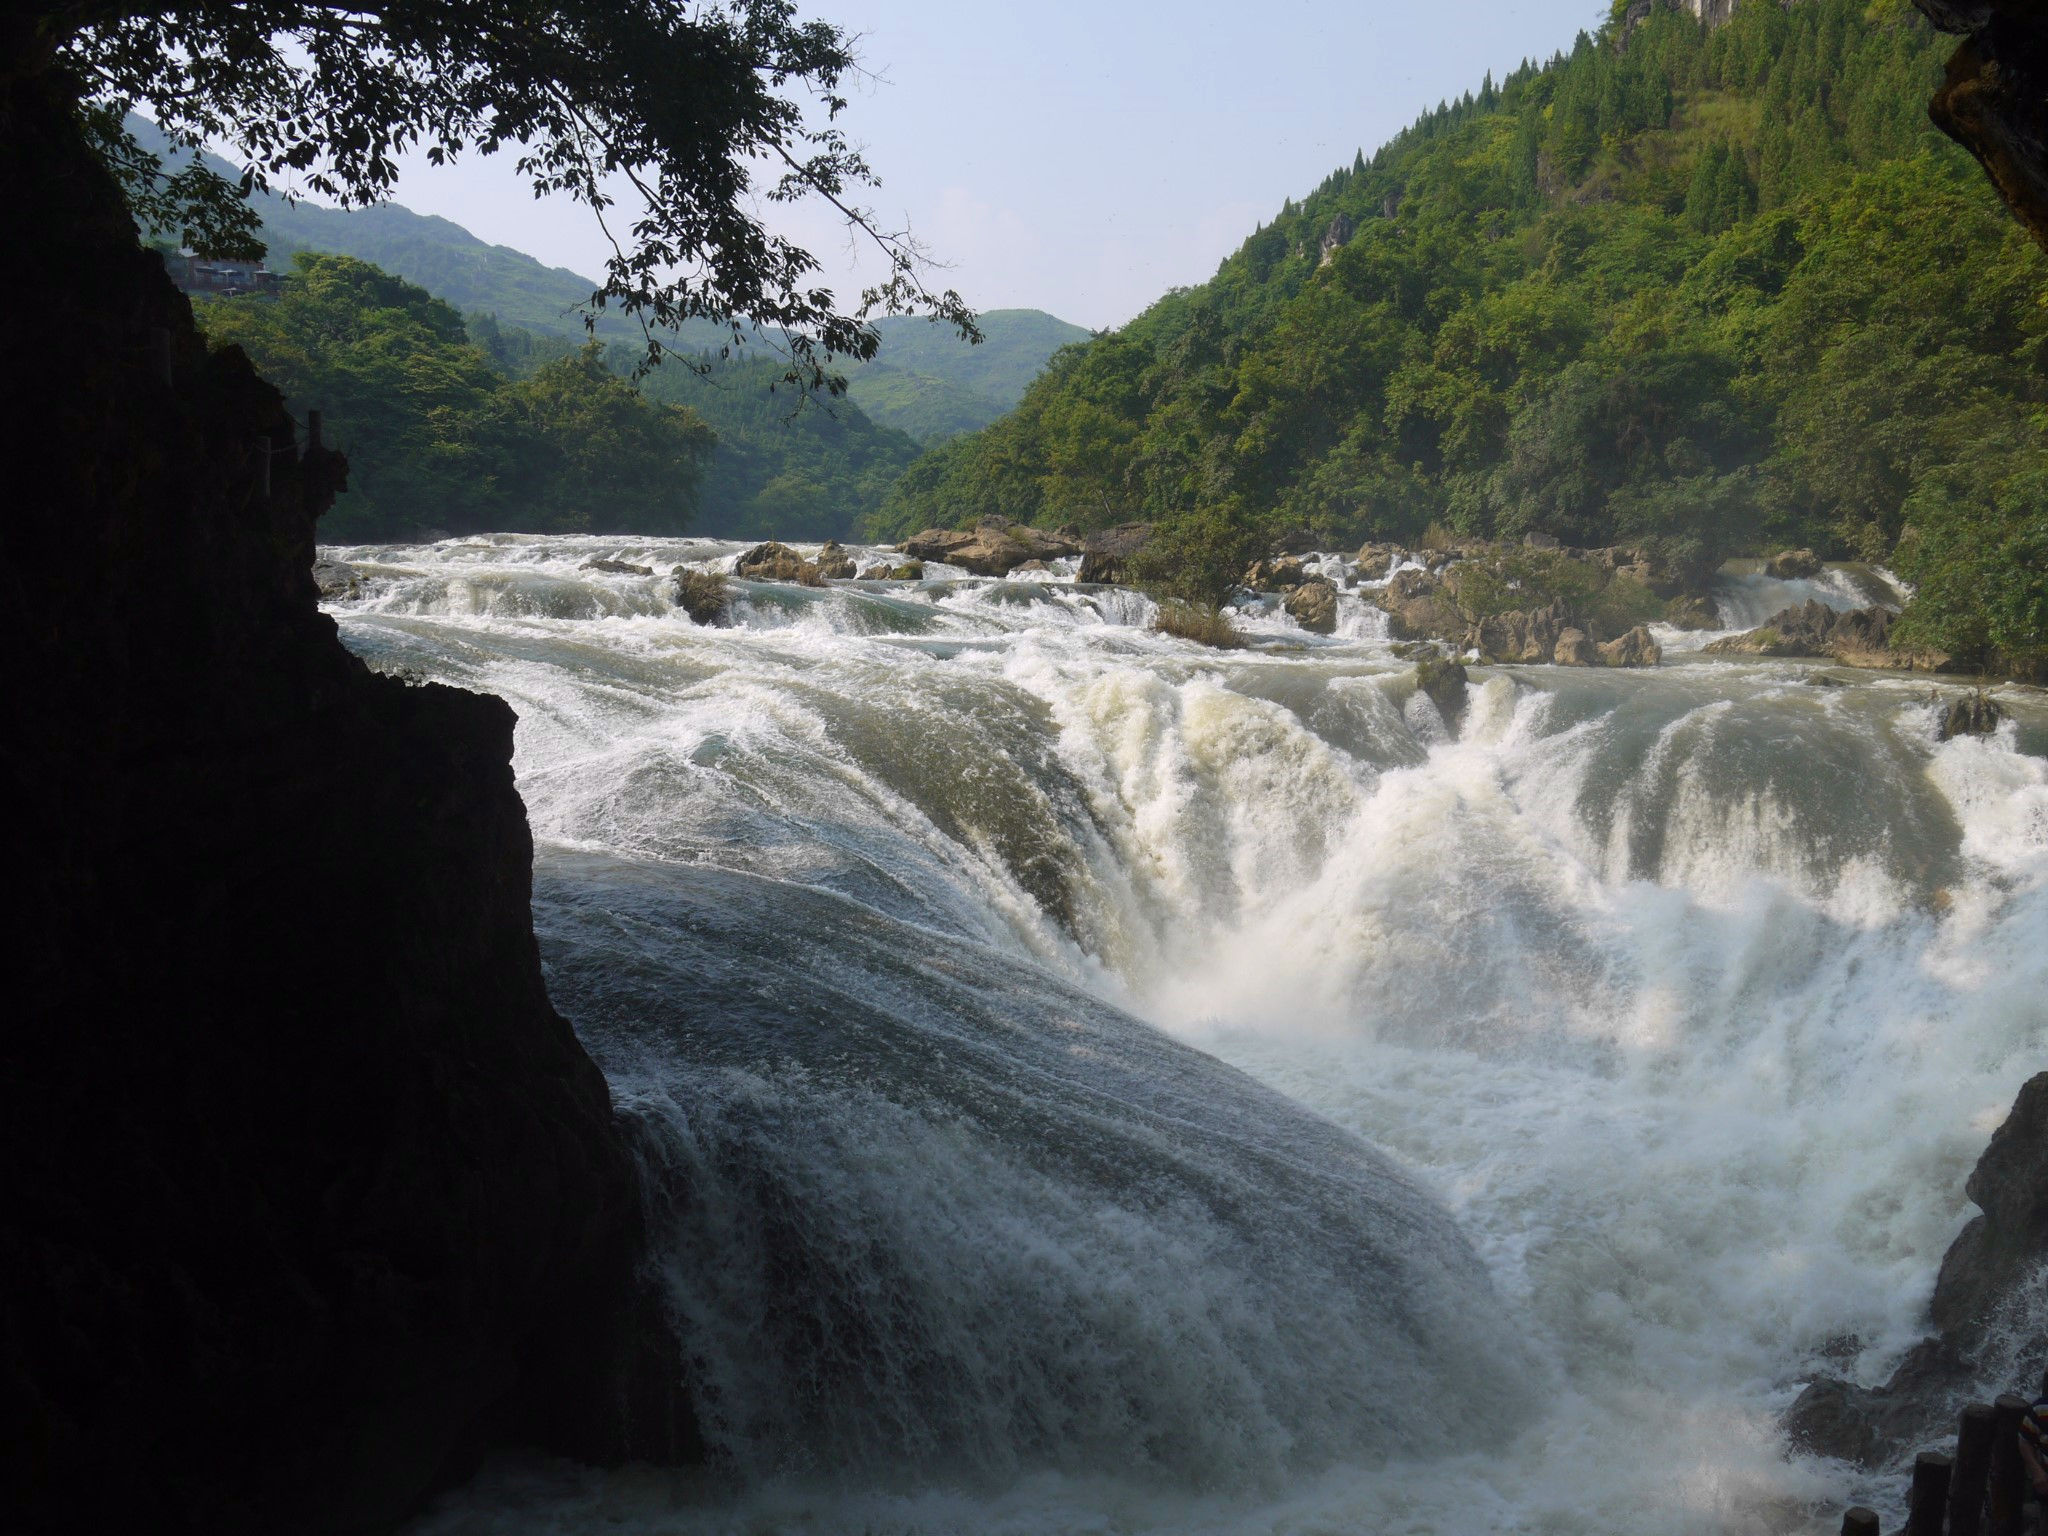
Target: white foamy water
[[1094, 1084]]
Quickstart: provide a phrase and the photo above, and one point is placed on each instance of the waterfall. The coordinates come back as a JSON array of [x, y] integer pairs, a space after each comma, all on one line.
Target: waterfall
[[1089, 1082]]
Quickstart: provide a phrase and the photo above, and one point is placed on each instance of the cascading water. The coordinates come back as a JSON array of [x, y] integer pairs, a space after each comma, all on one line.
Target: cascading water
[[1091, 1083]]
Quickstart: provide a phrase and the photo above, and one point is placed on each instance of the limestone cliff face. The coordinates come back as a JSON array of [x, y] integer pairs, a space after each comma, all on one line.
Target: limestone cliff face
[[1994, 101], [310, 1195]]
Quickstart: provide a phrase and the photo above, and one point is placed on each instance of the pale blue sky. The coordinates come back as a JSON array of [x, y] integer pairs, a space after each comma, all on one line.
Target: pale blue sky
[[1083, 158]]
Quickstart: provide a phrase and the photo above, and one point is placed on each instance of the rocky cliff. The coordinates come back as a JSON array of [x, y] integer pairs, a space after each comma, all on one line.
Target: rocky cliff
[[1994, 101], [311, 1196]]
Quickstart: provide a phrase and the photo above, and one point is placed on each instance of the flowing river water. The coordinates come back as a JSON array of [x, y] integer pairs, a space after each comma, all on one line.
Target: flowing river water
[[1089, 1083]]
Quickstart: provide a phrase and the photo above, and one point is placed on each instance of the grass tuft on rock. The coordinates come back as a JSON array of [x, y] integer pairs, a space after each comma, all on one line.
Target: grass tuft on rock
[[1203, 623]]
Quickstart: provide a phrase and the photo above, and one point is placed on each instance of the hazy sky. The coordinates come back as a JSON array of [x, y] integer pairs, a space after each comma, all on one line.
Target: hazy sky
[[1085, 157]]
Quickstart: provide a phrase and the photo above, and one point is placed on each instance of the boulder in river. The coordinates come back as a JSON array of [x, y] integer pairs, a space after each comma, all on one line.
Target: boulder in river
[[1793, 565], [1637, 648], [995, 546], [1692, 612], [1375, 561], [703, 595], [1969, 714], [618, 567], [2001, 1250], [1275, 573], [1575, 649], [1313, 605], [1859, 637], [1418, 608], [835, 562], [1108, 553], [1443, 679], [777, 562], [337, 580], [1520, 635]]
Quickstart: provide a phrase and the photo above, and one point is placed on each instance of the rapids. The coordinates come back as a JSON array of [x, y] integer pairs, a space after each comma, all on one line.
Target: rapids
[[1088, 1083]]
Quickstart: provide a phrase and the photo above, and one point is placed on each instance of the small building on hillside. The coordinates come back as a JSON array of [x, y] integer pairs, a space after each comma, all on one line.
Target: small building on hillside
[[206, 278]]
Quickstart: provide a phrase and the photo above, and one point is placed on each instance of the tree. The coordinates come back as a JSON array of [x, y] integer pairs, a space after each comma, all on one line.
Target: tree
[[671, 104]]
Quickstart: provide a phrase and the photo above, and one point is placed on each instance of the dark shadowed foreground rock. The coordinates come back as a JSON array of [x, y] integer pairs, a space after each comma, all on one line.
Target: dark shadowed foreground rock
[[311, 1196], [1994, 97], [2003, 1248]]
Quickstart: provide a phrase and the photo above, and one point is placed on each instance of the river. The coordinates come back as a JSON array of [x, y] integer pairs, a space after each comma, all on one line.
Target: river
[[1088, 1083]]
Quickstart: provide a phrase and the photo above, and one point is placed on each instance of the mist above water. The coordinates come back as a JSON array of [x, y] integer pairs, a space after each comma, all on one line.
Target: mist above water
[[1092, 1083]]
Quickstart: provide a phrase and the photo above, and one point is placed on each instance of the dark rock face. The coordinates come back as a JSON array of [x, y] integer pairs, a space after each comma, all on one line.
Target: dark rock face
[[993, 547], [1994, 100], [1973, 714], [2001, 1249], [311, 1195], [2010, 1240], [1106, 555]]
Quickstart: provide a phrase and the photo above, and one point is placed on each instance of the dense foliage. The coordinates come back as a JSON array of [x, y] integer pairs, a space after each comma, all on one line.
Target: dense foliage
[[439, 436], [701, 110], [1707, 290]]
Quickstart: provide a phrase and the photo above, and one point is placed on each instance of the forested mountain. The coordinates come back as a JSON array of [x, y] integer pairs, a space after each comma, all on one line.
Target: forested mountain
[[1707, 289]]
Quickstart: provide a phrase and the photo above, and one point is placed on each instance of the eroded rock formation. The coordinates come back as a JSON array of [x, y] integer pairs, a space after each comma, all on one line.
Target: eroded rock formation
[[1994, 99], [311, 1195], [995, 546]]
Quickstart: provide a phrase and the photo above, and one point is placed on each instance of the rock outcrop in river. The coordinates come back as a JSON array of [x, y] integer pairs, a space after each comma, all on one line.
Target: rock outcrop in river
[[312, 1195], [2003, 1248], [1858, 637], [995, 546]]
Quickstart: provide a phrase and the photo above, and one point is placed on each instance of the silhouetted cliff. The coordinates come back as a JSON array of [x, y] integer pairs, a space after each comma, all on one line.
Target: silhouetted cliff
[[310, 1194]]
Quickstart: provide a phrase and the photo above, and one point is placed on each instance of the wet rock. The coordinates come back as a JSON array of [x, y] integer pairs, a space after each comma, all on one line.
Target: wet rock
[[834, 562], [875, 573], [337, 580], [909, 570], [1032, 568], [1313, 605], [1375, 560], [2009, 1241], [1793, 565], [1419, 608], [1443, 679], [1575, 649], [993, 547], [1972, 714], [703, 595], [1998, 1252], [618, 567], [1637, 648], [1520, 635], [1860, 637], [777, 562], [1108, 553], [1692, 612], [1276, 573]]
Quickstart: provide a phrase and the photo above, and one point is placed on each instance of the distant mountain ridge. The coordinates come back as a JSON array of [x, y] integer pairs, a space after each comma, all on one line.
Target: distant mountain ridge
[[925, 381]]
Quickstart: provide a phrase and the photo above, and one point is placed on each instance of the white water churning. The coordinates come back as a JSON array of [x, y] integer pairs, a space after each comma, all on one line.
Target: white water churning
[[1096, 1084]]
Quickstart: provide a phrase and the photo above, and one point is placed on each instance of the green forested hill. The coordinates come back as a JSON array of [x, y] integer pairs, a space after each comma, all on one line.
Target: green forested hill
[[1710, 290]]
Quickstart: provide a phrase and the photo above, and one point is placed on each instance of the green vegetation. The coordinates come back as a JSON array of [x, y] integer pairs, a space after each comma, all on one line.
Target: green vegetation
[[1203, 623], [1706, 291], [439, 436]]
